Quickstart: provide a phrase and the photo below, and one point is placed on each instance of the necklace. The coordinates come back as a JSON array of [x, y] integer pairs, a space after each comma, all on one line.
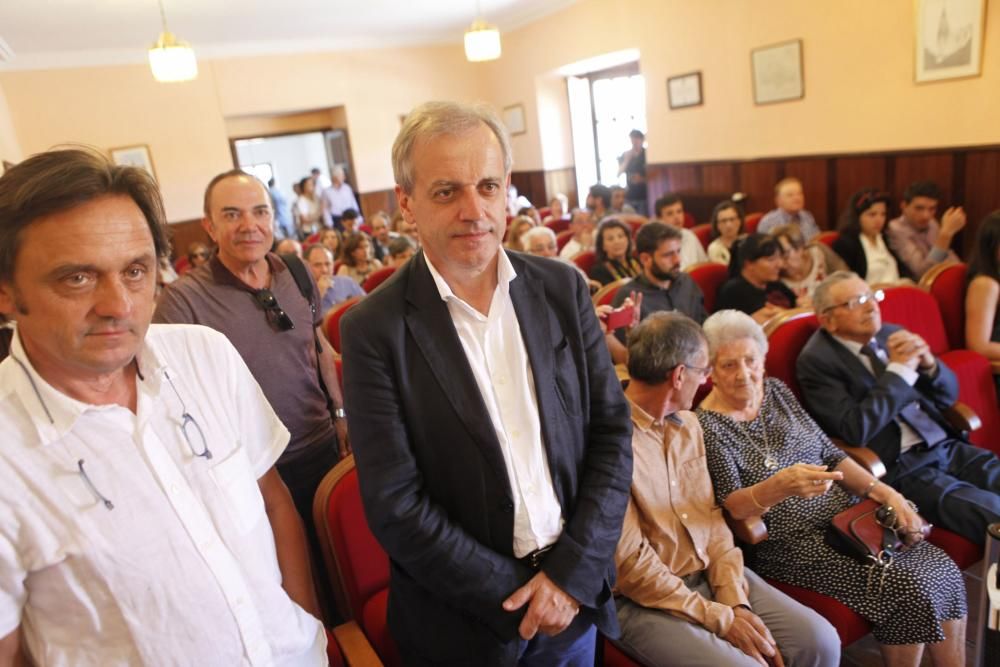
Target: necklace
[[770, 462]]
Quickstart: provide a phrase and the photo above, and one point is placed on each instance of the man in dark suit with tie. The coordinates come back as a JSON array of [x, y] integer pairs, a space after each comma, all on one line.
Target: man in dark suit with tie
[[879, 386], [492, 437]]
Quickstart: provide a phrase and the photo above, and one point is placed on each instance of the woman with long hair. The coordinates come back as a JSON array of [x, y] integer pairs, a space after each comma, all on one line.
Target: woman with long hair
[[862, 243], [357, 257], [982, 326], [614, 253], [727, 226]]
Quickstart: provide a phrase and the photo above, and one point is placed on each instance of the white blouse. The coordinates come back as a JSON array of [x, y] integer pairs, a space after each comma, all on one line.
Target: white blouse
[[882, 267]]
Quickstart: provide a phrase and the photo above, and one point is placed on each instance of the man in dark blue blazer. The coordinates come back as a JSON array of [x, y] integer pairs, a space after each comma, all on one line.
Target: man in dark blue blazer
[[491, 436], [879, 386]]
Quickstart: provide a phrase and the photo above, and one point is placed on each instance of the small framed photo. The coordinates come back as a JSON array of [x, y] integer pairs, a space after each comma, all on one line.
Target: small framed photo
[[777, 72], [949, 42], [134, 156], [513, 118], [684, 90]]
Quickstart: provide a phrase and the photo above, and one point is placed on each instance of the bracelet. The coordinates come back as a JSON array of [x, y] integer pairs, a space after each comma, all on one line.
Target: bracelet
[[759, 506], [868, 491]]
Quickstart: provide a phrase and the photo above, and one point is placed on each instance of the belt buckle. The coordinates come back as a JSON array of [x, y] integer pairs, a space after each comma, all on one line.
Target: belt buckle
[[534, 559]]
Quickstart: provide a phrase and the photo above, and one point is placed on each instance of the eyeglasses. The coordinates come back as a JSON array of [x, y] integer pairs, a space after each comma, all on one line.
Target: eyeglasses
[[878, 296], [702, 371], [190, 427], [270, 305]]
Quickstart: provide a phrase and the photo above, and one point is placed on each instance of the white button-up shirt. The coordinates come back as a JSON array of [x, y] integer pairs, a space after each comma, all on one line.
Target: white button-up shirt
[[183, 569], [500, 364]]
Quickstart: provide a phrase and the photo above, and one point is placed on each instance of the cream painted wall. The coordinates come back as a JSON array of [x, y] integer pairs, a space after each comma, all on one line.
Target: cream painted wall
[[858, 61], [10, 147]]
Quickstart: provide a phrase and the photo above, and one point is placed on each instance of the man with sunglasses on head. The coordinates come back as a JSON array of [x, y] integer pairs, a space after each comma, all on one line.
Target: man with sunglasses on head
[[879, 386], [253, 296], [143, 520]]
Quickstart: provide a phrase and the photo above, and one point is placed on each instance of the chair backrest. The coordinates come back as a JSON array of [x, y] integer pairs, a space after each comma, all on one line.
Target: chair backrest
[[916, 310], [357, 564], [605, 295], [585, 260], [331, 325], [828, 238], [182, 265], [544, 212], [704, 234], [787, 334], [751, 221], [557, 225], [709, 276], [689, 220], [946, 283], [562, 238], [377, 278], [312, 238]]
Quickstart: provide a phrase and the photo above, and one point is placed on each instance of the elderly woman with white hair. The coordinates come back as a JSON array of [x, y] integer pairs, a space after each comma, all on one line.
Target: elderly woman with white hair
[[768, 458]]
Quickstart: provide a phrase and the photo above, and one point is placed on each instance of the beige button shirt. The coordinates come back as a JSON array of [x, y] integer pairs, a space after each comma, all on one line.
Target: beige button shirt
[[673, 527]]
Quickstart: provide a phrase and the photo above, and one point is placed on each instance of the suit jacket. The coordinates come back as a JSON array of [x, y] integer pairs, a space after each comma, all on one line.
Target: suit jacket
[[432, 475], [851, 404]]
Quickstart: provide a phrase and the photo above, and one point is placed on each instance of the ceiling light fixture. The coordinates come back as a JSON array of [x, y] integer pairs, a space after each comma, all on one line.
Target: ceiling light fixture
[[170, 58], [482, 41]]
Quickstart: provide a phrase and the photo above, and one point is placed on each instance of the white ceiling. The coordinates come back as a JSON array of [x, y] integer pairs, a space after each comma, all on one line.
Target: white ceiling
[[75, 33]]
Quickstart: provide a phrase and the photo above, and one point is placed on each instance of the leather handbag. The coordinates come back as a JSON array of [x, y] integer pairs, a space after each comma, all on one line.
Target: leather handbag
[[866, 531]]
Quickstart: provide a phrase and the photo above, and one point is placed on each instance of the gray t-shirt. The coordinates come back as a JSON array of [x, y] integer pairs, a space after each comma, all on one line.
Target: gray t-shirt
[[284, 363]]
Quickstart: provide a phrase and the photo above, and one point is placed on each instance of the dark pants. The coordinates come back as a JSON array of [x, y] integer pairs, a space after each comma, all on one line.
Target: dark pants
[[302, 475], [956, 486]]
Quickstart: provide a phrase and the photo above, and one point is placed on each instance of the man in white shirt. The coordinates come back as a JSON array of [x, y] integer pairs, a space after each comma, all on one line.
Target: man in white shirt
[[492, 435], [670, 211], [582, 226], [144, 521], [337, 198]]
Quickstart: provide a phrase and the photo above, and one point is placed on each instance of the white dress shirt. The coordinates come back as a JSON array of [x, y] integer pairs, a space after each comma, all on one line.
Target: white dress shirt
[[336, 199], [882, 267], [499, 361], [181, 569], [692, 251]]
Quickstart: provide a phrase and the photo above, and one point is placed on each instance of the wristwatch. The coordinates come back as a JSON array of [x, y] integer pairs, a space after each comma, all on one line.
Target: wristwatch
[[339, 413]]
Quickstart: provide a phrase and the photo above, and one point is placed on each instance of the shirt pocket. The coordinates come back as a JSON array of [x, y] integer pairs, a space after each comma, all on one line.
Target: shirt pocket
[[238, 485]]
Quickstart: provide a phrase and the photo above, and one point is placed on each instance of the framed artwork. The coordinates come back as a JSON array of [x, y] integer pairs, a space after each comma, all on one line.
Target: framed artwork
[[777, 72], [134, 156], [513, 118], [949, 41], [684, 90]]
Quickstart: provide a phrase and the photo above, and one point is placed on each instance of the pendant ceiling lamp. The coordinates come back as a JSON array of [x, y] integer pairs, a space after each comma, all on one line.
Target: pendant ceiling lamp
[[170, 58], [482, 41]]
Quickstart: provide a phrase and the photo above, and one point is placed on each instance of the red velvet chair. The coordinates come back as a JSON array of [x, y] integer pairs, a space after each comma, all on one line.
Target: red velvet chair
[[751, 221], [377, 278], [585, 260], [709, 276], [704, 234], [562, 238], [828, 238], [544, 212], [689, 220], [557, 225], [312, 238], [946, 283], [182, 265], [605, 295], [331, 323], [339, 361]]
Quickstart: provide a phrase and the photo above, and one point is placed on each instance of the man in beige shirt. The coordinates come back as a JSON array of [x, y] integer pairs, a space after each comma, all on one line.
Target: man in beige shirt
[[685, 597]]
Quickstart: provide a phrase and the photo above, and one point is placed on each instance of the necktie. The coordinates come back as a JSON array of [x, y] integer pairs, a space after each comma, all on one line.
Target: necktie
[[928, 429]]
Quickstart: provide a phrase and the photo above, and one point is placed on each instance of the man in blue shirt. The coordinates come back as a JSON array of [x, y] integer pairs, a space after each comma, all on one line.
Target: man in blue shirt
[[333, 289], [283, 226]]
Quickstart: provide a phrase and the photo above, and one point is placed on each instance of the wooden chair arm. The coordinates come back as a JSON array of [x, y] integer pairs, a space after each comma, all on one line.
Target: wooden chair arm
[[748, 531], [358, 652], [864, 457], [962, 417]]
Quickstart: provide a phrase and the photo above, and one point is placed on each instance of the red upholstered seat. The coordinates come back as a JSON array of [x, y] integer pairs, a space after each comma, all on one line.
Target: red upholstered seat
[[786, 336], [635, 224], [377, 278], [614, 657], [946, 283], [331, 324], [914, 308], [562, 238], [339, 361], [605, 295], [312, 238], [558, 225], [751, 221], [964, 552], [366, 228], [828, 238], [704, 234], [585, 260], [689, 220], [709, 276], [182, 265], [850, 625]]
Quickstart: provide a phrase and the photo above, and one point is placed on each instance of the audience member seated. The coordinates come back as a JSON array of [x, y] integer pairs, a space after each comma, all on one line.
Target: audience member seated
[[862, 242], [599, 202], [381, 236], [670, 211], [333, 241], [686, 597], [916, 236], [618, 203], [753, 286], [879, 386], [530, 212], [790, 202], [804, 266], [582, 226], [614, 253], [982, 324], [727, 226], [358, 262], [337, 199], [401, 226], [558, 208], [289, 247], [662, 284], [518, 226], [350, 221], [198, 254], [307, 210], [332, 289], [541, 242], [400, 251], [768, 458]]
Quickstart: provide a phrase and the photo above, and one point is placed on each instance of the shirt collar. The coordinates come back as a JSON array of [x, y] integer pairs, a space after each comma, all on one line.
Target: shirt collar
[[853, 346], [223, 276], [643, 419], [505, 274], [52, 412]]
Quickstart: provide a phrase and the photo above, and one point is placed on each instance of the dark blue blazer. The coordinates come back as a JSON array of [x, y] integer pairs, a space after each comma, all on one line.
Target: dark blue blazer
[[849, 403], [432, 475]]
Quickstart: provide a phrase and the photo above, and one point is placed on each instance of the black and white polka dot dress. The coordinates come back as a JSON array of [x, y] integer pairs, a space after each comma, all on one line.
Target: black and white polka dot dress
[[922, 588]]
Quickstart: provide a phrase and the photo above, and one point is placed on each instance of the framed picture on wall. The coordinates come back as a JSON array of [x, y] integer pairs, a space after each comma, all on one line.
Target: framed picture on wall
[[684, 90], [949, 42], [134, 156], [513, 118], [777, 72]]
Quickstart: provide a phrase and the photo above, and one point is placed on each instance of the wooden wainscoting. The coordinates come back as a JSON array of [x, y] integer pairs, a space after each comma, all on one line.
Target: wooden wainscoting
[[540, 186], [378, 200], [184, 233]]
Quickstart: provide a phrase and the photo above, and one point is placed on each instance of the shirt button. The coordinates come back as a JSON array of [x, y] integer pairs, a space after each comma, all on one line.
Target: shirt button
[[684, 516]]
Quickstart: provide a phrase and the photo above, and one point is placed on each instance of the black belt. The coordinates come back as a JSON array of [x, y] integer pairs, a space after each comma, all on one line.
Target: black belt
[[535, 558]]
